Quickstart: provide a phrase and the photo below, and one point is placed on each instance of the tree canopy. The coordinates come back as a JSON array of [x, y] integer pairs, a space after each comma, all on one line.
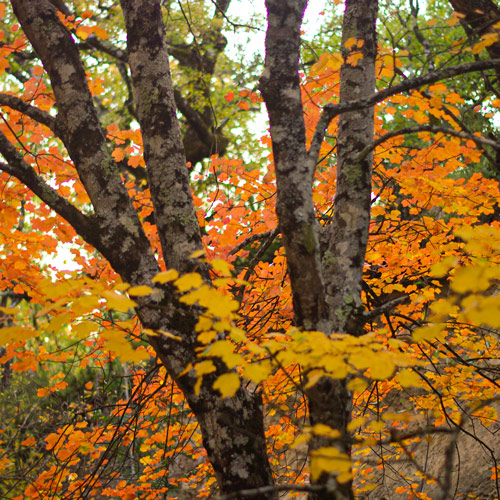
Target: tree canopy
[[307, 311]]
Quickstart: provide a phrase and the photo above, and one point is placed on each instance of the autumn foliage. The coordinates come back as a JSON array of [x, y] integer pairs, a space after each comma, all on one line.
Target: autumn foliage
[[89, 411]]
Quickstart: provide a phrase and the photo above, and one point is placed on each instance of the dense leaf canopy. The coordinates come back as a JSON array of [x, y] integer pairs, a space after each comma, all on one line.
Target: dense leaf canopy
[[193, 309]]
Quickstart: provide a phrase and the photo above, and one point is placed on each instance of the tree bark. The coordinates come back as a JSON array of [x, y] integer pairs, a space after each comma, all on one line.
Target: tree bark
[[326, 294], [348, 234], [280, 86], [479, 18], [330, 402]]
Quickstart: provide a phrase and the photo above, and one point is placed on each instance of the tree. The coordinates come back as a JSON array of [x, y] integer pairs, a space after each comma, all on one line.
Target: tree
[[96, 155]]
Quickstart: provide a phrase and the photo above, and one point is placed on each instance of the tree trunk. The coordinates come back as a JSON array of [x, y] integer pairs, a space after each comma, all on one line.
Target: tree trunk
[[326, 294]]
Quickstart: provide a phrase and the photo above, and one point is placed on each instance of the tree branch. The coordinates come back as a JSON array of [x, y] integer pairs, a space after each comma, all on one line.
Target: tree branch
[[480, 141], [168, 176], [16, 166], [78, 126], [193, 118], [33, 112], [330, 111], [252, 238], [280, 87], [92, 42]]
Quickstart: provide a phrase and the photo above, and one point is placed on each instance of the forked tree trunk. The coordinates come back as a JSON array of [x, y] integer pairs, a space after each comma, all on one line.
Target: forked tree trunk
[[326, 291]]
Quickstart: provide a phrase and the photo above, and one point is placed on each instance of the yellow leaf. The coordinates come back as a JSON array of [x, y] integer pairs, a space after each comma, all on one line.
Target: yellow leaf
[[355, 423], [257, 372], [117, 301], [335, 364], [441, 269], [320, 65], [121, 287], [470, 279], [166, 276], [376, 426], [10, 310], [227, 384], [53, 306], [135, 355], [197, 254], [117, 343], [83, 329], [325, 430], [168, 335], [429, 333], [58, 322], [225, 350], [215, 302], [382, 370], [326, 61], [140, 291], [300, 439], [313, 377], [207, 337], [188, 281], [344, 477], [85, 304], [222, 326], [204, 367], [442, 309], [12, 334], [409, 378], [357, 385], [221, 266], [329, 460]]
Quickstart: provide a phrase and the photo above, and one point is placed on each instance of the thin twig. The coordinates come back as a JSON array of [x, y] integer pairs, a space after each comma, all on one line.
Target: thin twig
[[330, 111], [251, 239], [271, 489], [480, 141]]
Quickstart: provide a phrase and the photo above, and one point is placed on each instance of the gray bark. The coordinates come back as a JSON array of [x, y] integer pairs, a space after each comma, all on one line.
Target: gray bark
[[348, 234], [294, 168], [326, 294]]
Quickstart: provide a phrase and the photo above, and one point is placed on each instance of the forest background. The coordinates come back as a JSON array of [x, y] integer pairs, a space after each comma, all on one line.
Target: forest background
[[313, 312]]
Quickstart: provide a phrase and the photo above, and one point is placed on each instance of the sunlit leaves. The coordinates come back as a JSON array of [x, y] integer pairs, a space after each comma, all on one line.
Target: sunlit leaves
[[409, 378], [326, 61], [116, 342], [84, 328], [117, 301], [140, 291], [338, 355], [330, 459], [227, 384], [12, 334], [166, 276], [436, 339]]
